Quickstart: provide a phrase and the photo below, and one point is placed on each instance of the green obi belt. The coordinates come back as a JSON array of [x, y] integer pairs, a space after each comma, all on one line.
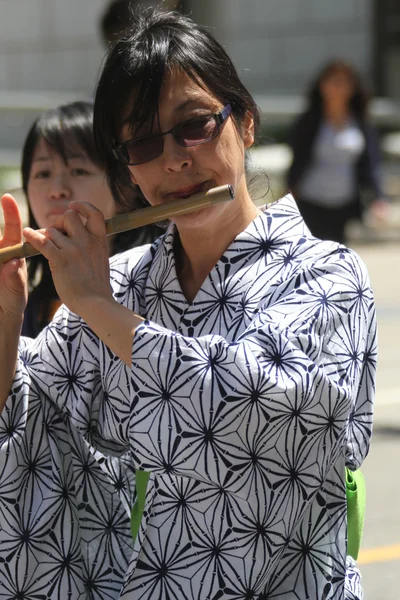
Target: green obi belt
[[356, 501], [355, 495]]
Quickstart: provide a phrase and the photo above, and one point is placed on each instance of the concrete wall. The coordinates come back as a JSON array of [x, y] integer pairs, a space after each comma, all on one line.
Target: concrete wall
[[50, 44], [278, 45], [54, 47]]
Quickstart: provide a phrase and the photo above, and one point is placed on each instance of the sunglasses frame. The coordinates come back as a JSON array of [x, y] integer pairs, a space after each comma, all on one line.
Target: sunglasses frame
[[219, 118]]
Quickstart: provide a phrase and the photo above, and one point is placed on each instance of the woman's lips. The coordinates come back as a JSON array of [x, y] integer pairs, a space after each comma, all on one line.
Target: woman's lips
[[189, 191], [57, 210]]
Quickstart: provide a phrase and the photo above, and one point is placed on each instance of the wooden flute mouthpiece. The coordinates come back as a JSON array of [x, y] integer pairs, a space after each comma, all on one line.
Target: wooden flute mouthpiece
[[139, 218]]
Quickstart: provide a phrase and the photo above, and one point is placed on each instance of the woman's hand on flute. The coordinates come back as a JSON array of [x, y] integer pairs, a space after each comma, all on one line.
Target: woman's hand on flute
[[78, 258], [77, 255], [13, 278]]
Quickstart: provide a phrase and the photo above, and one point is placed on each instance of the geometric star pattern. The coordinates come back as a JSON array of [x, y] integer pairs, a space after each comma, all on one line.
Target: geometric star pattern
[[245, 406]]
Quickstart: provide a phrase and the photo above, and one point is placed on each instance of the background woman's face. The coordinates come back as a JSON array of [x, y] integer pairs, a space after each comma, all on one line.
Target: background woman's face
[[181, 172], [337, 87], [53, 183]]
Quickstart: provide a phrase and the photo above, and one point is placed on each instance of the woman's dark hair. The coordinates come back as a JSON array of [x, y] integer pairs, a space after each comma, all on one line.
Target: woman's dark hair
[[65, 129], [156, 43], [359, 101]]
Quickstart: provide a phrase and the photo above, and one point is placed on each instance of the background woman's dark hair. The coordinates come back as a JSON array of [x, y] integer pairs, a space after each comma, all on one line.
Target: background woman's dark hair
[[158, 42], [358, 102], [65, 129]]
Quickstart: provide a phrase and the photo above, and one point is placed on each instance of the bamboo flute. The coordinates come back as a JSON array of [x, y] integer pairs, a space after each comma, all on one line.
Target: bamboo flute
[[138, 218]]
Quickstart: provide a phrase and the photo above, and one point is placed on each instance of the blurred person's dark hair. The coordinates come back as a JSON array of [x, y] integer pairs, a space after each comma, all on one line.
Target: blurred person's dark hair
[[114, 20], [358, 104], [157, 43], [116, 17], [64, 128]]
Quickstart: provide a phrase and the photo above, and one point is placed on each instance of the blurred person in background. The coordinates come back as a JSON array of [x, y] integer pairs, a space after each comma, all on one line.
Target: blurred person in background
[[115, 18], [60, 164], [335, 154]]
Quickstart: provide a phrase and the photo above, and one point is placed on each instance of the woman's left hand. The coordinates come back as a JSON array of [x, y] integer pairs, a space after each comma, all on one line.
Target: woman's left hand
[[77, 255]]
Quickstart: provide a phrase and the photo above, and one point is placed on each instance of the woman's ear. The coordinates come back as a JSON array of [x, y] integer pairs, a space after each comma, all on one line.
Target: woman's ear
[[248, 129], [133, 179]]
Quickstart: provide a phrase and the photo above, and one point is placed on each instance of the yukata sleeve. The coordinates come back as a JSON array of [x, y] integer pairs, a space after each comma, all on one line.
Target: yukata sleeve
[[78, 373], [359, 425], [63, 366], [277, 401], [85, 380], [56, 492]]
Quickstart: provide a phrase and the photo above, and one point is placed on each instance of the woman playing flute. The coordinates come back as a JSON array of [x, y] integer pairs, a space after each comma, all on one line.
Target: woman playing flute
[[233, 361]]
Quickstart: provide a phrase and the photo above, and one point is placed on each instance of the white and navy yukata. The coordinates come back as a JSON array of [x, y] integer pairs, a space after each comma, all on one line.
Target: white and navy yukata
[[245, 406]]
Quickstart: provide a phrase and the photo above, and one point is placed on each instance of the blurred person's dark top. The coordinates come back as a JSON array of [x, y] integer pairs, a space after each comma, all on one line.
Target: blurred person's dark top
[[302, 141]]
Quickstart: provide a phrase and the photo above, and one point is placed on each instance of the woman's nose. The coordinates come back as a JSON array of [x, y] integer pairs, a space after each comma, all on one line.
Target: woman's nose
[[175, 156], [60, 187]]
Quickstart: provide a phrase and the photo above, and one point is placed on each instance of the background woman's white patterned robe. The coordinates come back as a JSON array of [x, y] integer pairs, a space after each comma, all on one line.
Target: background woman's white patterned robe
[[245, 406]]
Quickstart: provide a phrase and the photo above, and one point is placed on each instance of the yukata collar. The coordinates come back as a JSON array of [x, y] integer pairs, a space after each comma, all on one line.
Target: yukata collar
[[278, 223]]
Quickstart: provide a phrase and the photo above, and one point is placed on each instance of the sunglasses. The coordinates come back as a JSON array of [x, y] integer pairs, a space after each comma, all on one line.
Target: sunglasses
[[189, 133]]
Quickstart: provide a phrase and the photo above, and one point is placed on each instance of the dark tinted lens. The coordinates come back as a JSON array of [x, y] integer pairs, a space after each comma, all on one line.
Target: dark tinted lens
[[197, 131], [143, 150]]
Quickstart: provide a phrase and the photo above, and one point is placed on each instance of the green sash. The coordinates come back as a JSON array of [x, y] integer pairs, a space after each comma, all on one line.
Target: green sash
[[356, 500], [355, 494], [141, 477]]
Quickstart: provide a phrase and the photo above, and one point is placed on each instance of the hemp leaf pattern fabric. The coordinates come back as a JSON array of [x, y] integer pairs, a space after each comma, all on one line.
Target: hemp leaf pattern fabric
[[245, 407]]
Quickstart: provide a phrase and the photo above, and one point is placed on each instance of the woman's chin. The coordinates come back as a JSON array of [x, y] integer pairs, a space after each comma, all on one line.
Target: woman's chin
[[195, 220]]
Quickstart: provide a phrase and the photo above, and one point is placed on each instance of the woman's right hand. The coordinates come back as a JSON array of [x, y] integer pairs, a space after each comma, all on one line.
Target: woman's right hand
[[13, 276]]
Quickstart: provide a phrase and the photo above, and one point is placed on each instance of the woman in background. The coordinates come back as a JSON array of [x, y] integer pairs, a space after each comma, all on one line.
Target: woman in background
[[335, 154], [60, 164]]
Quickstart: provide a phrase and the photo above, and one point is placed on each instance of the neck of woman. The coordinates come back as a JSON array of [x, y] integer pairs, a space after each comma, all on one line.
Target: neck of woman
[[337, 113], [198, 250]]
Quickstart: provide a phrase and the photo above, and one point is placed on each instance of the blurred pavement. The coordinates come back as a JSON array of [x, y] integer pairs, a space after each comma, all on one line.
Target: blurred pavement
[[380, 555]]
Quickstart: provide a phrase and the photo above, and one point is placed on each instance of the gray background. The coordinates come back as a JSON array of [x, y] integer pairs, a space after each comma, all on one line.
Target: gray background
[[276, 44]]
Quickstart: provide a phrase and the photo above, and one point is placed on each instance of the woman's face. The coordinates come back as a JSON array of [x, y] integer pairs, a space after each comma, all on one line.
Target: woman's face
[[181, 172], [53, 183], [337, 87]]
